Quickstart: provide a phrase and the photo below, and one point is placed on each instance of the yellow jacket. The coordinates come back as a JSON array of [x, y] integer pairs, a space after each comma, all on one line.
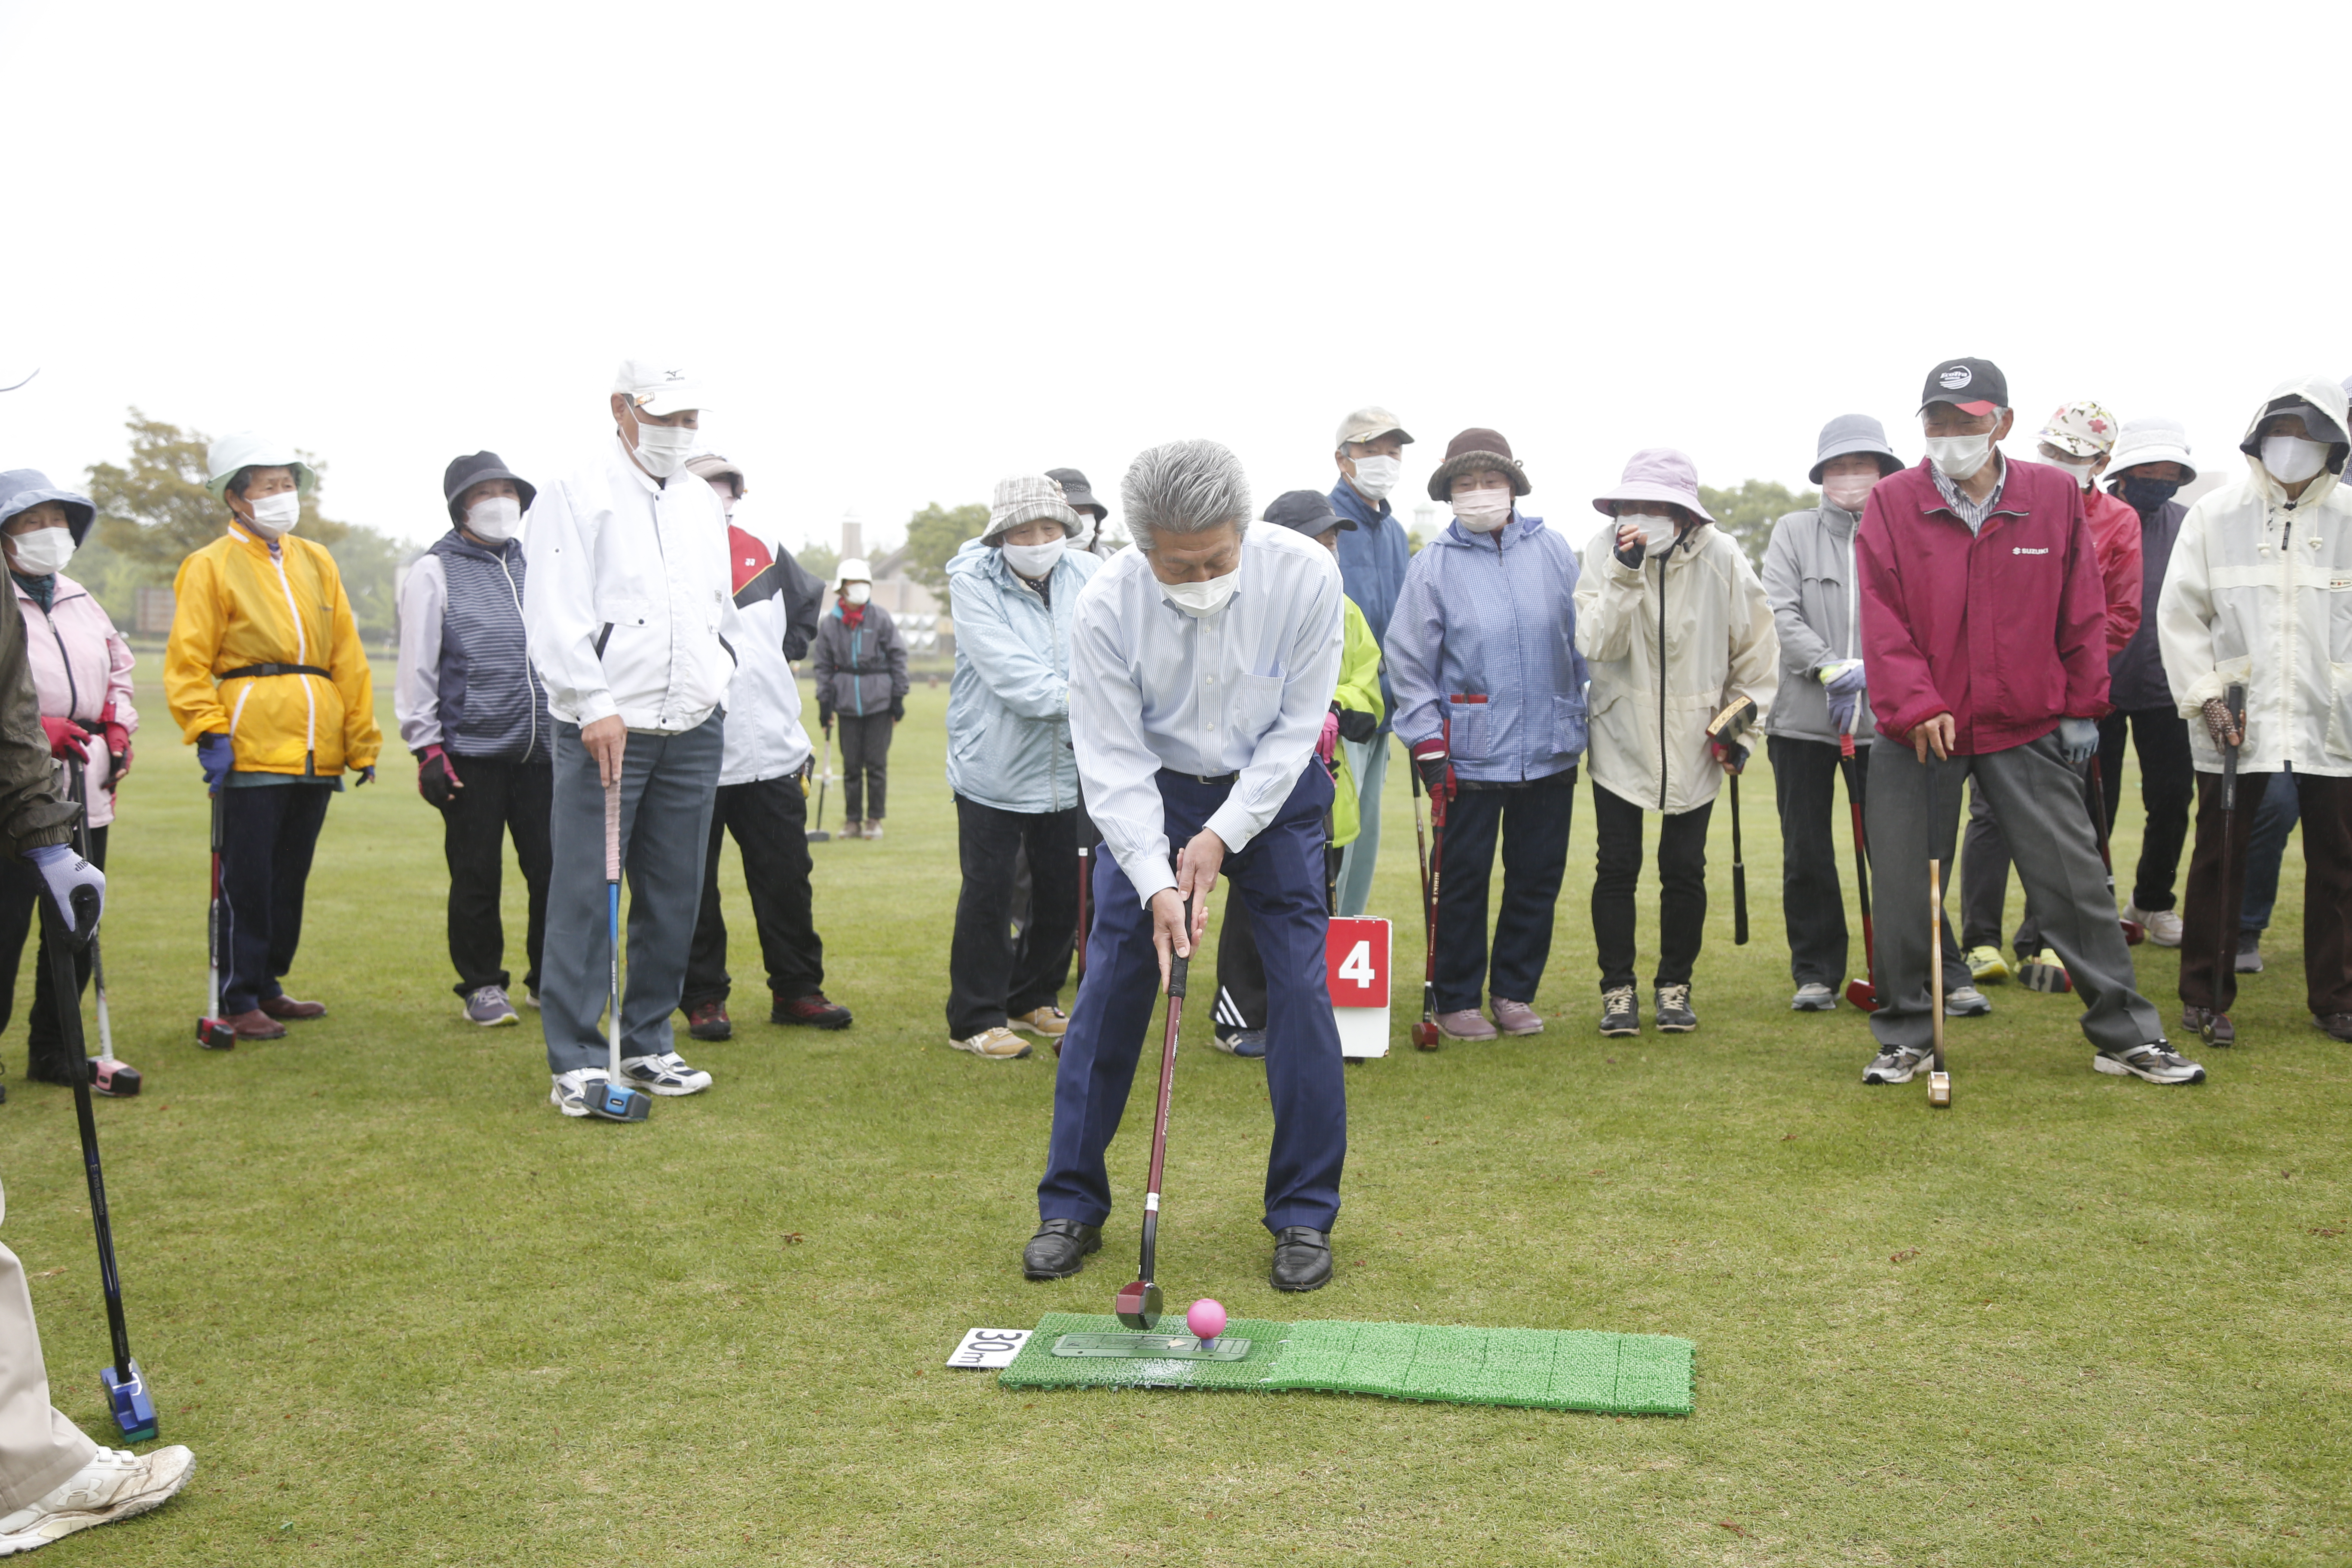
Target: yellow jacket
[[237, 607]]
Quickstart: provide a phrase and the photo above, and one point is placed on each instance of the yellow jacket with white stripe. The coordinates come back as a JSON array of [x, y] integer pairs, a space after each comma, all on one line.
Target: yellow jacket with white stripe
[[239, 607]]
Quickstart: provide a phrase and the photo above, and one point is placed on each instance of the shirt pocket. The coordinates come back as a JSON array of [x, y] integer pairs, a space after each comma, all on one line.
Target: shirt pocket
[[1469, 734], [622, 607], [1257, 702]]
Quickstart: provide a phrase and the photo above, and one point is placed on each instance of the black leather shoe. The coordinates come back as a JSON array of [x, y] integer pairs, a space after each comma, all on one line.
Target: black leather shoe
[[1302, 1259], [1059, 1249]]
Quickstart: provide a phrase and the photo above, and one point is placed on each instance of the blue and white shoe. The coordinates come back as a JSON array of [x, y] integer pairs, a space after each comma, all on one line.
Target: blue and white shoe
[[664, 1074], [1250, 1043]]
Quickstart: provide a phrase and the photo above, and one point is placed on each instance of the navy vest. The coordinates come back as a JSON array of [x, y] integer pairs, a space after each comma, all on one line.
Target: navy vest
[[492, 703]]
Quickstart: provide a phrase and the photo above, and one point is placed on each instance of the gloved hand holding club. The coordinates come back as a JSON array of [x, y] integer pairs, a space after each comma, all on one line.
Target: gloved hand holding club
[[76, 887], [1845, 683], [69, 741], [2077, 740], [216, 754], [436, 777], [2222, 725], [1436, 769]]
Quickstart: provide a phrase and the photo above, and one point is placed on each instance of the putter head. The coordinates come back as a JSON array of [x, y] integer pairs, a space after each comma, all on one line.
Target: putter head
[[1424, 1036], [618, 1102], [1138, 1305], [2048, 977], [133, 1408], [215, 1035], [1939, 1091], [1862, 995], [109, 1077], [820, 836], [2134, 932]]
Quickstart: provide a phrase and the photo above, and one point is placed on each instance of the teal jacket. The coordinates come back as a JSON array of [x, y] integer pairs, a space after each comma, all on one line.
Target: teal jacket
[[1009, 706]]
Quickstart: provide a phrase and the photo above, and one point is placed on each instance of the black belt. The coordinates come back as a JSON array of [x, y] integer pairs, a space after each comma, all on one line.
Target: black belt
[[276, 670], [1204, 778]]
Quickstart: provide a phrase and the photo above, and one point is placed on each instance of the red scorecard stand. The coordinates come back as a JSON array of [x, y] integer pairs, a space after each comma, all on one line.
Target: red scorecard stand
[[1356, 968]]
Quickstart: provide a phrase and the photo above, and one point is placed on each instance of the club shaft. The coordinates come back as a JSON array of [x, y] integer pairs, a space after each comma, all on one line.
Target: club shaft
[[1177, 973], [1935, 956], [66, 994], [2225, 959], [613, 922]]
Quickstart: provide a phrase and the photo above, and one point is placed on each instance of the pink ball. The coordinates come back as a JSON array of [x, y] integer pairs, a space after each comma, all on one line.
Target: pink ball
[[1207, 1318]]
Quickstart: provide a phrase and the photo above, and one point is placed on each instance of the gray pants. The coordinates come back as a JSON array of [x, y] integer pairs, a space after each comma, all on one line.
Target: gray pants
[[39, 1449], [1369, 764], [668, 783], [1984, 874], [1913, 812]]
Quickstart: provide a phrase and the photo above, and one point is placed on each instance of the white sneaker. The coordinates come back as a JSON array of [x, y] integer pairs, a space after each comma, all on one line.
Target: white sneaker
[[115, 1484], [573, 1090], [1966, 1002], [2163, 926], [999, 1043], [663, 1074], [2155, 1061]]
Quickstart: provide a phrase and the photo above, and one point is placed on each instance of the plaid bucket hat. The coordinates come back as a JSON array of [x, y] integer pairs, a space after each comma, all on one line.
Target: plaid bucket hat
[[1027, 498]]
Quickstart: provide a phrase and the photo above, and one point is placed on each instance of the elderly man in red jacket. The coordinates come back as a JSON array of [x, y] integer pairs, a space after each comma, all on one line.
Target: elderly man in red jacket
[[1984, 621]]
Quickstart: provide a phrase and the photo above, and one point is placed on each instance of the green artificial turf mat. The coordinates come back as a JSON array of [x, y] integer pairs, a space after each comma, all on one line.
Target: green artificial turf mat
[[1548, 1369]]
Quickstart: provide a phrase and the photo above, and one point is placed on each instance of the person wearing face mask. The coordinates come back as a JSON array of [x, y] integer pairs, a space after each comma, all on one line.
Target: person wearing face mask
[[1677, 628], [1810, 583], [1015, 589], [1482, 654], [2259, 594], [861, 679], [81, 668], [1373, 554], [475, 713], [763, 796], [1984, 629], [1201, 667], [2076, 441], [1092, 513], [264, 675], [631, 613]]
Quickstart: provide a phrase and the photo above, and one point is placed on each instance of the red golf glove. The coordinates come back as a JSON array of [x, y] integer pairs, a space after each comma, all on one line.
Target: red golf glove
[[436, 776], [68, 739], [1429, 759], [117, 747], [1327, 744]]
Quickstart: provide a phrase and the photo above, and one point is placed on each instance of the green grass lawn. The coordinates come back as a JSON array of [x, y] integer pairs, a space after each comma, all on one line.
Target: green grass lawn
[[405, 1312]]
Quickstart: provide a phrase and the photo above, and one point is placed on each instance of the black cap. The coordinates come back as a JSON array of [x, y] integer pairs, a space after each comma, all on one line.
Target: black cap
[[464, 473], [1971, 386], [1308, 511], [1077, 492]]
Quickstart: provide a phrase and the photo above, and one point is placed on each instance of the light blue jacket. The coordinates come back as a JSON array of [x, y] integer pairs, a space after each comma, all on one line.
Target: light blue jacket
[[1491, 617], [1009, 706]]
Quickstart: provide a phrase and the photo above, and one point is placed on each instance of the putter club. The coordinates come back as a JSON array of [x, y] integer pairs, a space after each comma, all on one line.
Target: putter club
[[817, 834], [2134, 932], [212, 1031], [1940, 1082], [1864, 992], [1728, 727], [1086, 912], [127, 1395], [2226, 962], [617, 1102], [1425, 1037], [1138, 1305], [116, 1080]]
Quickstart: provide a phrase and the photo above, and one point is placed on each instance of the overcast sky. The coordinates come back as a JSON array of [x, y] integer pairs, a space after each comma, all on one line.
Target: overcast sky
[[921, 248]]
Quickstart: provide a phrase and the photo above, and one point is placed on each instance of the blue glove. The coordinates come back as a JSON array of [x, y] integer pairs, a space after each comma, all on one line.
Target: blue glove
[[2077, 739], [65, 872], [367, 776], [1842, 711], [1844, 683], [216, 753]]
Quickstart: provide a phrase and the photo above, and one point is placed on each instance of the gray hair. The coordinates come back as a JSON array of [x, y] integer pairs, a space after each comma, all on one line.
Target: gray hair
[[1185, 486]]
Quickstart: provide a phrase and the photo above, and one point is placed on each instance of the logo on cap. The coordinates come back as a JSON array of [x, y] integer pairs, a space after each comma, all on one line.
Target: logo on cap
[[1955, 378], [674, 376]]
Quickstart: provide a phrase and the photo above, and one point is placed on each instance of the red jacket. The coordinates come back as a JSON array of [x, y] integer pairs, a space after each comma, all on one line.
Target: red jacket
[[2115, 539], [2005, 630]]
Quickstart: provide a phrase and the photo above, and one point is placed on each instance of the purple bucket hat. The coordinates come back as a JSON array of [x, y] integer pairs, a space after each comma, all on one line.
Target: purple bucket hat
[[1657, 473]]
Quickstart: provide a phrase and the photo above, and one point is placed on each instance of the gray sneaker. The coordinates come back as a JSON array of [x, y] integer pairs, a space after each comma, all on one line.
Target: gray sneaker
[[2249, 951], [1813, 997], [1966, 1002], [489, 1006], [1897, 1064], [1672, 1010], [2156, 1061], [1620, 1015]]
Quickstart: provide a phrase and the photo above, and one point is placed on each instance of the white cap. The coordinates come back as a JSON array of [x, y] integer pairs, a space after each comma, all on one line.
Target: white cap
[[657, 389], [853, 570], [2150, 438]]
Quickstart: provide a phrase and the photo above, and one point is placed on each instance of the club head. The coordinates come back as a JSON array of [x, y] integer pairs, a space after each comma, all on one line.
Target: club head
[[618, 1102], [215, 1035], [1939, 1091], [1861, 994], [133, 1408], [1138, 1305], [820, 836], [2134, 932], [118, 1080], [1424, 1036]]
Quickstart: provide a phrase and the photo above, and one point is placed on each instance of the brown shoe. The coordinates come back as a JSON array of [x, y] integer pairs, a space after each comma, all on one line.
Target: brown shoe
[[282, 1006], [853, 828], [708, 1021], [256, 1025], [2337, 1025]]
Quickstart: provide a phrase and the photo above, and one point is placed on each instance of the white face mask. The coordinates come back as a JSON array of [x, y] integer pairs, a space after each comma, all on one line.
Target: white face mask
[[1203, 599], [1850, 494], [2292, 459], [1376, 477], [274, 516], [1657, 529], [495, 517], [856, 593], [1483, 512], [41, 551], [1959, 457], [662, 448], [2079, 468], [1036, 559]]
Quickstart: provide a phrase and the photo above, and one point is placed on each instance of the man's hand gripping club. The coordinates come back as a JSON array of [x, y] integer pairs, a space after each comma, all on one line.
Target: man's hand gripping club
[[1196, 873]]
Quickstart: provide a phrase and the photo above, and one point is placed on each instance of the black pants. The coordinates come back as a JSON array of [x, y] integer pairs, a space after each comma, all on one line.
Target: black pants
[[501, 797], [1813, 903], [864, 765], [1682, 887], [21, 891], [991, 973], [1531, 822], [769, 820], [268, 834], [2168, 783]]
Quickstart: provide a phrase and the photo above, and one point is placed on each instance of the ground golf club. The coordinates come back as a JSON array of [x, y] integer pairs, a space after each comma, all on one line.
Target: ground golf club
[[616, 1100], [1861, 992], [2226, 962], [1138, 1305], [213, 1032]]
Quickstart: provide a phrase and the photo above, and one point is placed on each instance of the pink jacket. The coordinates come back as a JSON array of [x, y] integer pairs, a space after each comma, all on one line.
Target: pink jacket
[[2115, 536], [2006, 630], [80, 663]]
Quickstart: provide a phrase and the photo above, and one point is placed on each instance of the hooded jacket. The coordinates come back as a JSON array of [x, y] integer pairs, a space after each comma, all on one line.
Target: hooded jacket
[[1483, 649], [1810, 583], [2115, 539], [466, 683], [861, 670], [776, 599], [1009, 703], [80, 664], [1672, 643], [2136, 675], [2005, 629], [2260, 591], [241, 607]]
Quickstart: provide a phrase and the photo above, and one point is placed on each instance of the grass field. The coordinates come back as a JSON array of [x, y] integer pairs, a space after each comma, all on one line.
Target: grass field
[[403, 1312]]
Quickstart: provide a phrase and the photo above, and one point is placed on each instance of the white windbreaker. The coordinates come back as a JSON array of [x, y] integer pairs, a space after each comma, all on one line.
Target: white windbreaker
[[2260, 591], [628, 602], [764, 736]]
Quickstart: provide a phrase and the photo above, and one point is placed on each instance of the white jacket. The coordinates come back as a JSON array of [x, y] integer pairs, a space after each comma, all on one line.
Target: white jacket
[[1670, 644], [2260, 591], [764, 736], [628, 602]]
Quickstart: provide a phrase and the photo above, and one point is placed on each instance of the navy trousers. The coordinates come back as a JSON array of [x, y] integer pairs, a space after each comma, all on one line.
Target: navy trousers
[[268, 834], [1278, 877]]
